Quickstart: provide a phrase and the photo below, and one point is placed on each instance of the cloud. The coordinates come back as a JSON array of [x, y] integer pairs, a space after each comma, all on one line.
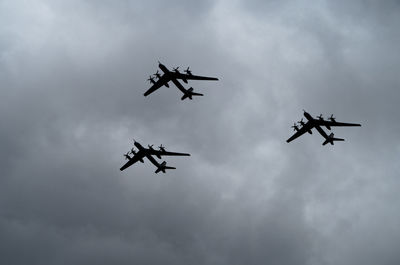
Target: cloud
[[73, 74]]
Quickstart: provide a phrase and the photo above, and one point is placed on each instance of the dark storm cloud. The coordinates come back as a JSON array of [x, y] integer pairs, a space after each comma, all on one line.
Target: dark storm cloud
[[72, 77]]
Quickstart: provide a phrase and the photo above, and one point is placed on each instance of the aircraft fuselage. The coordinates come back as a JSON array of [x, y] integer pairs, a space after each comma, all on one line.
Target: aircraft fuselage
[[139, 146], [174, 80], [317, 127], [308, 116], [146, 154], [163, 68]]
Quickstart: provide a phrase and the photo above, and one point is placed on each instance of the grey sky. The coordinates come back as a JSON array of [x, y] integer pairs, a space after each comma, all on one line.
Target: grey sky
[[72, 78]]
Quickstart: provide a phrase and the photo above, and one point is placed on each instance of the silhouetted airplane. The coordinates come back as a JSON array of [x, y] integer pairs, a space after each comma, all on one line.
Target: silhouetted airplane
[[149, 153], [174, 76], [317, 123]]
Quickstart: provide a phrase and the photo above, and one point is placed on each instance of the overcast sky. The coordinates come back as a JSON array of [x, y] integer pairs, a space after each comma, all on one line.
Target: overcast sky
[[72, 78]]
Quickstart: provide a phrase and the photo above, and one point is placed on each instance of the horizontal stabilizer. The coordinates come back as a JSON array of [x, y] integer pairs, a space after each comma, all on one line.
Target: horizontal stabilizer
[[331, 139], [189, 94], [163, 167]]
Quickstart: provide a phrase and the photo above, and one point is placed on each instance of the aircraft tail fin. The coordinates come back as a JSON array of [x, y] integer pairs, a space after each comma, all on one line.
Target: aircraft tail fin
[[189, 94], [331, 139], [163, 167]]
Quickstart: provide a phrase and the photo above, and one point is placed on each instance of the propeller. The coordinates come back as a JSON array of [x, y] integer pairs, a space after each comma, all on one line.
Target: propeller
[[150, 146], [294, 127], [301, 121], [126, 155], [157, 74], [161, 147], [332, 118], [150, 79], [320, 117], [133, 151], [188, 71], [176, 69]]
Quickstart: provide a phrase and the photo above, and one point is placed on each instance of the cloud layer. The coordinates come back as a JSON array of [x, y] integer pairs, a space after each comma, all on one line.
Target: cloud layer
[[73, 74]]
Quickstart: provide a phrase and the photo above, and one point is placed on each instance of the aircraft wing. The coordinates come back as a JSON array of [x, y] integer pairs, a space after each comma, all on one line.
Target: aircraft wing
[[300, 132], [160, 82], [166, 153], [192, 77], [334, 123], [132, 161]]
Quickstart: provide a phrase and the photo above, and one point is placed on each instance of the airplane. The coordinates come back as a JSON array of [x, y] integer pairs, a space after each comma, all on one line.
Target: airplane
[[149, 153], [174, 76], [317, 124]]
